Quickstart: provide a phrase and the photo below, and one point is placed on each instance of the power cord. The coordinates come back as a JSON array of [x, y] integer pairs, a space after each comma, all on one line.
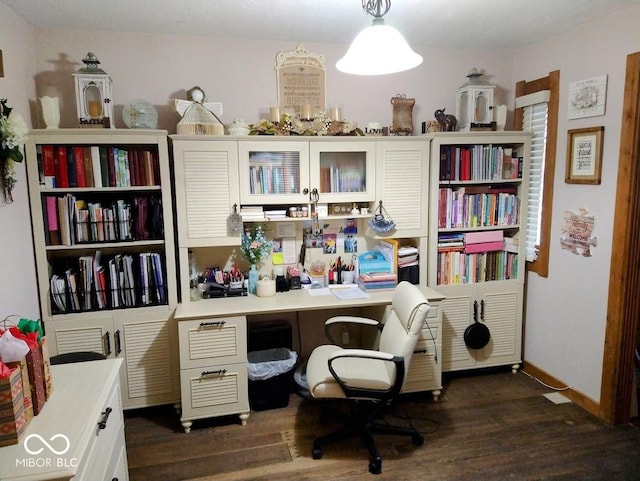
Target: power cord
[[545, 384]]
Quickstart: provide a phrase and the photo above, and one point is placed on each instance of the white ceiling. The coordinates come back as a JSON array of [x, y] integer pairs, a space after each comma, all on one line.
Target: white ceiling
[[482, 24]]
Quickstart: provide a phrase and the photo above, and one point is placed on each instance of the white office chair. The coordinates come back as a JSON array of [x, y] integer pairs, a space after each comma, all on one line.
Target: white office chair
[[371, 379]]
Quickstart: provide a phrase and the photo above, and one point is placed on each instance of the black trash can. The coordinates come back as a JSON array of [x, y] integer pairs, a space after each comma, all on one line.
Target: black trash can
[[270, 377]]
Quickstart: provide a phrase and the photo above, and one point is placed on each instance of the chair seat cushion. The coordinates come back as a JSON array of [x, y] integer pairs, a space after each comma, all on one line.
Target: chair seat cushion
[[369, 373]]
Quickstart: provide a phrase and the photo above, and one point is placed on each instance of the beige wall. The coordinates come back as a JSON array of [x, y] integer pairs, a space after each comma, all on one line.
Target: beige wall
[[566, 312], [18, 293]]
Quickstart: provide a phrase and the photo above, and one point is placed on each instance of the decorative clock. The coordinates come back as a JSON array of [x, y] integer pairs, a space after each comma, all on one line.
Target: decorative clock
[[93, 95], [140, 114]]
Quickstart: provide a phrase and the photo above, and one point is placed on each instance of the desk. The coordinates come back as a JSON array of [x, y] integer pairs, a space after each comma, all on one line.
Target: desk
[[81, 394], [213, 347]]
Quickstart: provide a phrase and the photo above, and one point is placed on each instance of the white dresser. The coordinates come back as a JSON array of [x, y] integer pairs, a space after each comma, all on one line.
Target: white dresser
[[79, 434]]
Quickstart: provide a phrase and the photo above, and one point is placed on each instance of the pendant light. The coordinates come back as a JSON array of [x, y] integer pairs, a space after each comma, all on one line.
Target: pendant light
[[379, 49]]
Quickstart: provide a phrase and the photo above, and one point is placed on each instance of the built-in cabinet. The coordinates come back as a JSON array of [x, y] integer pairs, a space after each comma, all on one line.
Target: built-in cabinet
[[102, 219], [299, 171], [477, 235]]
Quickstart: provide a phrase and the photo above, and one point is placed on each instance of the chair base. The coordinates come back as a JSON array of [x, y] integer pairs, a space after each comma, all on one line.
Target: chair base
[[362, 424]]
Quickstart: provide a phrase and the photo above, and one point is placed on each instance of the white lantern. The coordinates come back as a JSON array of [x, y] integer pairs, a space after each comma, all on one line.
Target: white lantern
[[474, 103], [93, 95]]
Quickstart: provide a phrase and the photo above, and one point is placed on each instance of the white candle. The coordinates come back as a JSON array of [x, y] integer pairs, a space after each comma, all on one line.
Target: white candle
[[336, 114], [274, 114], [306, 111]]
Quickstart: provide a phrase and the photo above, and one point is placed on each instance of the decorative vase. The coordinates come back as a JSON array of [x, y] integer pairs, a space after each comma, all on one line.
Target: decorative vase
[[253, 279], [50, 111]]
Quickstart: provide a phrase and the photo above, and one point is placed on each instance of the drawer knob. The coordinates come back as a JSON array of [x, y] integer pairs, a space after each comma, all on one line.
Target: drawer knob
[[102, 424], [213, 324], [219, 372]]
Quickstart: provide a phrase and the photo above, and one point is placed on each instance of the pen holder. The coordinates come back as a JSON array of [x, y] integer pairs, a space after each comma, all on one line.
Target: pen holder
[[348, 277]]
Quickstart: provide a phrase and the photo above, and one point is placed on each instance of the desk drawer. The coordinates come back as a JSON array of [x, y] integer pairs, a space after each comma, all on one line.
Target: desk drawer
[[206, 342], [424, 372], [214, 391], [95, 464]]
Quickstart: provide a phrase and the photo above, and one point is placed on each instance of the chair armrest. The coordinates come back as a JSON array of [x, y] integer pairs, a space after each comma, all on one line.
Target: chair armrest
[[351, 320], [362, 353], [368, 392]]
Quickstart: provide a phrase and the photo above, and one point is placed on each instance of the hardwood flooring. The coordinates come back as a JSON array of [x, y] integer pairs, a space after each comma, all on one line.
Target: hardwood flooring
[[489, 425]]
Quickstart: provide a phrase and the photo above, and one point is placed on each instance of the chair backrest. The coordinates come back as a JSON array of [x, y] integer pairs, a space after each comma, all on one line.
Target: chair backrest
[[403, 322]]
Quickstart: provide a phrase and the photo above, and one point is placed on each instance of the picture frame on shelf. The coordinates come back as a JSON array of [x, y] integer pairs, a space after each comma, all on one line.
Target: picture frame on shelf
[[584, 155]]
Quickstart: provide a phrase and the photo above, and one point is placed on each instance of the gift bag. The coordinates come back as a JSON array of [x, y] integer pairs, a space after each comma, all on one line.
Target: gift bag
[[34, 367], [13, 421], [46, 367], [26, 386]]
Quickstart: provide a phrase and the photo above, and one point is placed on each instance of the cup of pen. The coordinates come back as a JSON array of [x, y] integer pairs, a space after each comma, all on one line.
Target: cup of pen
[[348, 277]]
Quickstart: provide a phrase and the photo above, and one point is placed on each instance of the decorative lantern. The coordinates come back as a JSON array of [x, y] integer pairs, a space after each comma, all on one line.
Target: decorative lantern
[[93, 95], [474, 103]]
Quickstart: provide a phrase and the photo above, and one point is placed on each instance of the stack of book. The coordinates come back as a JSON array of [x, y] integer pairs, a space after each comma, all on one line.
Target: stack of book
[[252, 213], [483, 241], [377, 281], [275, 214]]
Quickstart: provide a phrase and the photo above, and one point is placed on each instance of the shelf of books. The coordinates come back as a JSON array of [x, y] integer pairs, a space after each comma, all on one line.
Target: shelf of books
[[102, 219], [479, 188]]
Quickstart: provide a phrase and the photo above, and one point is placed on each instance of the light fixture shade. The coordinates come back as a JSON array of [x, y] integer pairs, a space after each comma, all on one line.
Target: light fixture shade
[[378, 50]]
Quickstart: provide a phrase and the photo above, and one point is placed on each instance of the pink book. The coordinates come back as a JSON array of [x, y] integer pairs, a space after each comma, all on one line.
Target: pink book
[[483, 236], [483, 247]]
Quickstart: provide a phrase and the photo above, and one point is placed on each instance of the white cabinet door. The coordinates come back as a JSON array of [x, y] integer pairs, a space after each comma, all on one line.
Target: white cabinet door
[[403, 185], [149, 346], [499, 307], [93, 334], [206, 187], [343, 171], [274, 172]]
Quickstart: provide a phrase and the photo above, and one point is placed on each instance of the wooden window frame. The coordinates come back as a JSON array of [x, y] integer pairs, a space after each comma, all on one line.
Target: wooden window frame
[[552, 84]]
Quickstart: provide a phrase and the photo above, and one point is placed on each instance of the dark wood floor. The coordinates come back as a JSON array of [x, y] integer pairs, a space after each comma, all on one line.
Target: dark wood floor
[[490, 425]]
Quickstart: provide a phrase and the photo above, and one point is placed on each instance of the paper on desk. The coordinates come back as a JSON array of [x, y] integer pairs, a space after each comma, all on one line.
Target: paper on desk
[[322, 291], [349, 292]]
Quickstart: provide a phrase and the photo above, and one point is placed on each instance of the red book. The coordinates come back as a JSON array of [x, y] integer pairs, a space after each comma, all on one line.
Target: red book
[[62, 173], [111, 166], [78, 154], [49, 166]]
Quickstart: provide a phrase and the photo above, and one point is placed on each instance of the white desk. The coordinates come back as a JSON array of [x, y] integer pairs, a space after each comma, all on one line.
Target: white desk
[[213, 347], [81, 394]]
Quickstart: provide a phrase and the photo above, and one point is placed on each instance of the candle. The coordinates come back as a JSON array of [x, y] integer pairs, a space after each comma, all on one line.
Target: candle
[[306, 111], [274, 114], [335, 113]]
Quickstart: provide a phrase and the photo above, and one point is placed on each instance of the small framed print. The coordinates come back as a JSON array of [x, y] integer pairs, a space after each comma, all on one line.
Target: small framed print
[[584, 156]]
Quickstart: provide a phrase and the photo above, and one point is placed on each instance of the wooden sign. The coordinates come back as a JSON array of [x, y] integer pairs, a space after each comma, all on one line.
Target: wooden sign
[[301, 78]]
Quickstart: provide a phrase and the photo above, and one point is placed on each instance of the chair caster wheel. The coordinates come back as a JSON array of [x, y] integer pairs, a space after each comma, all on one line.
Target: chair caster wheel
[[375, 466], [417, 440], [316, 453]]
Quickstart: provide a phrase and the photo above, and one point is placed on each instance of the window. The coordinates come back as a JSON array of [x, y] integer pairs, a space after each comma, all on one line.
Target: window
[[537, 111]]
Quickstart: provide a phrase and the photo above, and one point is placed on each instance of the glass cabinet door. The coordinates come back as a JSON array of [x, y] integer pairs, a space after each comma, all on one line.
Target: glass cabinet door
[[343, 171], [273, 172]]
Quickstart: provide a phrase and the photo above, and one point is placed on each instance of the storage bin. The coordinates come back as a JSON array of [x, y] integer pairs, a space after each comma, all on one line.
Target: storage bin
[[270, 373]]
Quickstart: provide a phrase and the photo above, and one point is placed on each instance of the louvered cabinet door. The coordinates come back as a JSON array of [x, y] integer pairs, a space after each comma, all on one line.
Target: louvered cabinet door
[[149, 347], [95, 334], [206, 189], [499, 307], [403, 185]]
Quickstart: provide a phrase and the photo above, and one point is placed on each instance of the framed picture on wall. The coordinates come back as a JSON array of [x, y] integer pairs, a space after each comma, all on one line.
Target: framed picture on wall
[[584, 155]]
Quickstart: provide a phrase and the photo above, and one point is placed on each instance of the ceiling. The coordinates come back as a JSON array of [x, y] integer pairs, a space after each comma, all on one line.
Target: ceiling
[[482, 24]]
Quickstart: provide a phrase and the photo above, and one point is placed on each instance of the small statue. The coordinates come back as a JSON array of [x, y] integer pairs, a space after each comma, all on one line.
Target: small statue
[[447, 121]]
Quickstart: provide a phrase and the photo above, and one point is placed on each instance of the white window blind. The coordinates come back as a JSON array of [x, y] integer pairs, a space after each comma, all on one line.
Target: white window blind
[[535, 120]]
